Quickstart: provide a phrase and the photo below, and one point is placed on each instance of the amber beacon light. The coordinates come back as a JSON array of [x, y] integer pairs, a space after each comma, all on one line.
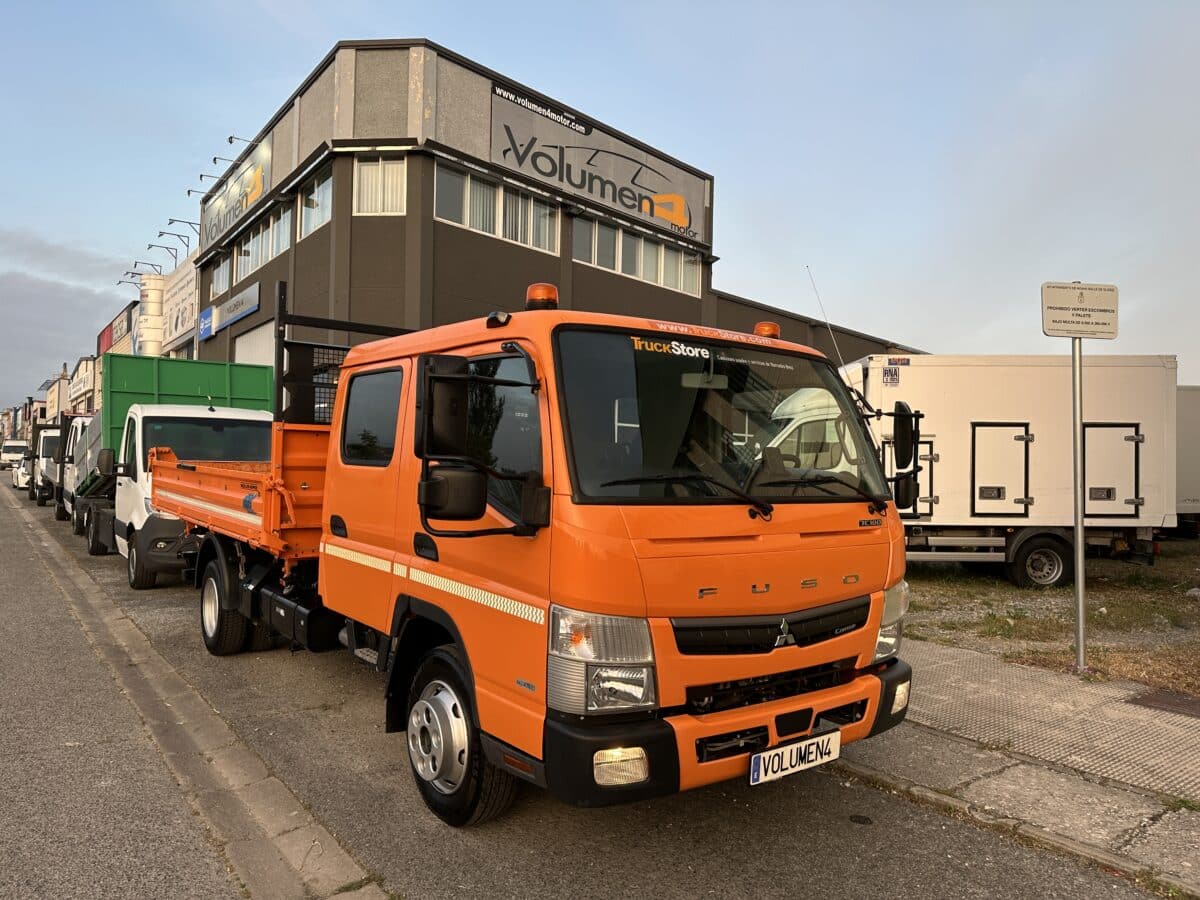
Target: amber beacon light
[[541, 296], [767, 329]]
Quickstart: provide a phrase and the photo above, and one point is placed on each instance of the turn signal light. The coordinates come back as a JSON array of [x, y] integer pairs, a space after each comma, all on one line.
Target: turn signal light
[[767, 329], [541, 296]]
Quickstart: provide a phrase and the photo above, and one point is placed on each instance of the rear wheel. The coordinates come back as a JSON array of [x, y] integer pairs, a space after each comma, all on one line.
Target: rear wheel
[[33, 494], [60, 512], [140, 577], [92, 530], [77, 520], [224, 630], [1042, 562], [455, 779]]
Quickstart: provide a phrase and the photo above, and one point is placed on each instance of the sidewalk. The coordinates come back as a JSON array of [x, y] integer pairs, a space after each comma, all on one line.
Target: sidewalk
[[1055, 758]]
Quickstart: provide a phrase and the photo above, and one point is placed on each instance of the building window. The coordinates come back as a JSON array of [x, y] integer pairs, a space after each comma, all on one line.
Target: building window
[[379, 186], [220, 278], [316, 203], [502, 211], [618, 249], [372, 409], [264, 241]]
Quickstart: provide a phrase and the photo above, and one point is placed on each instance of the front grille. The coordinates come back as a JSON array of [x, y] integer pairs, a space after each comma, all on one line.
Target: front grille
[[735, 743], [728, 635], [723, 695]]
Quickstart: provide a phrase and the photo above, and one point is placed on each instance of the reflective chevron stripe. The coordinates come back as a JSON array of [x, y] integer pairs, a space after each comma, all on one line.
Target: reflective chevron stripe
[[506, 605], [364, 559]]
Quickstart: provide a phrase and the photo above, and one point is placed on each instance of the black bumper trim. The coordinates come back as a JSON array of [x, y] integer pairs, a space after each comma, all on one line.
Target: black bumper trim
[[155, 530], [897, 673], [568, 752]]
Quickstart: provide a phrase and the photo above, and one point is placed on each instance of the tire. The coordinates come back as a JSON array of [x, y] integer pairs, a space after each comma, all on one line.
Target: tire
[[33, 495], [1042, 562], [92, 531], [260, 637], [41, 498], [77, 519], [224, 630], [140, 578], [453, 776], [60, 513]]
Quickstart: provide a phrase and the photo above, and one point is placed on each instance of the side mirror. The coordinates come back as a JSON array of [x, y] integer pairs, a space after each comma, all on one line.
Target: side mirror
[[902, 434], [905, 491], [106, 462], [453, 493], [442, 424]]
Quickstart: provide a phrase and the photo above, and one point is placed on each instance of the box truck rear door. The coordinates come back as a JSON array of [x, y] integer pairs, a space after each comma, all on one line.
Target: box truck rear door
[[1000, 469]]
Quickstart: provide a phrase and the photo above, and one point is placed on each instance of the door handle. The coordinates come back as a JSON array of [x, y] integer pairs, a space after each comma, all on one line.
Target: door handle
[[425, 546], [337, 527]]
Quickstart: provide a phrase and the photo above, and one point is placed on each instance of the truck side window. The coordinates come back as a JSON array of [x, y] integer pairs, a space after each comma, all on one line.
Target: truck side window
[[505, 428], [369, 426], [131, 459]]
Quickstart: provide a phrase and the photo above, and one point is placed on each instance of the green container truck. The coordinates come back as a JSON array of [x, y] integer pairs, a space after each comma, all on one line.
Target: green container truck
[[202, 410]]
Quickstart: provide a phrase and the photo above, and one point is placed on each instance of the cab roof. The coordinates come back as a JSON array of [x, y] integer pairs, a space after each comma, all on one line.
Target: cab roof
[[538, 325]]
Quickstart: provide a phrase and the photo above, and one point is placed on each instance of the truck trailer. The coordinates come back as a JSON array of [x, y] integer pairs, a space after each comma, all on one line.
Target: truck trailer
[[208, 409], [569, 546], [1187, 456], [995, 456]]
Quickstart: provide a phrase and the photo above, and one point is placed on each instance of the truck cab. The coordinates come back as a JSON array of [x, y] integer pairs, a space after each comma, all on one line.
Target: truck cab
[[151, 540], [41, 488], [11, 453], [71, 468], [574, 550]]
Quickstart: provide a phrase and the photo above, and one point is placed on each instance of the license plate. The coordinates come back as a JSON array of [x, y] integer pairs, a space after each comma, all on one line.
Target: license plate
[[778, 762]]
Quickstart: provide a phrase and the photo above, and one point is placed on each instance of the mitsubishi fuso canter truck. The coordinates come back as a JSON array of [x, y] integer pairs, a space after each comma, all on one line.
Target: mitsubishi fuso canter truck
[[575, 552]]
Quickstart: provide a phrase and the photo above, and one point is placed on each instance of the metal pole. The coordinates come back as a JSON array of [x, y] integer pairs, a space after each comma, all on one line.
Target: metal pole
[[1077, 444]]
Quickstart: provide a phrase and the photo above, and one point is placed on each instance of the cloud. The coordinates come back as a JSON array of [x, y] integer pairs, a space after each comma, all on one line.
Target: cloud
[[35, 254], [47, 322]]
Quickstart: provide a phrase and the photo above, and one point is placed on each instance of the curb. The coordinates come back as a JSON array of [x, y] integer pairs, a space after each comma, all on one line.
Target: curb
[[1106, 859]]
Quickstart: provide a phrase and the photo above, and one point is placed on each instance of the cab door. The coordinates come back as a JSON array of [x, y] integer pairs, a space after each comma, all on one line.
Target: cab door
[[496, 588], [362, 553], [126, 497]]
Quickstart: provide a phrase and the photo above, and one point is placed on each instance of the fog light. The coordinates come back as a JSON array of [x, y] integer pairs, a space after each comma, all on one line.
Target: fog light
[[900, 699], [621, 765]]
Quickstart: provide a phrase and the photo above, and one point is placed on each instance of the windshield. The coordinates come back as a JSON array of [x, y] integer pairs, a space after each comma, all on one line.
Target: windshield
[[658, 417], [49, 446], [13, 448], [208, 440]]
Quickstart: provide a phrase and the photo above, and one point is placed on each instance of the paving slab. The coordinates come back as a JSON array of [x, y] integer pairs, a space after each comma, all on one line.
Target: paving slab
[[1063, 803], [927, 757]]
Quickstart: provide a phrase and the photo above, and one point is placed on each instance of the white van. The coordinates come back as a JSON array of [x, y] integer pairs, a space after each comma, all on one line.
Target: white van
[[11, 453], [70, 471], [151, 541]]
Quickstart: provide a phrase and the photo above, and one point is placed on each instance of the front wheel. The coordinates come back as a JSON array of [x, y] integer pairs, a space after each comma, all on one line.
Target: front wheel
[[224, 630], [140, 578], [77, 520], [1042, 562], [60, 513], [455, 780]]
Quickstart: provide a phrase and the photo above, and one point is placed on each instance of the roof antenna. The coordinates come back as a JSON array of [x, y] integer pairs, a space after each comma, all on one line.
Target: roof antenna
[[824, 315]]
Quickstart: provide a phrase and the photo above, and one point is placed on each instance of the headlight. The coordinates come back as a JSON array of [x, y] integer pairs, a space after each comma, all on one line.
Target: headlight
[[895, 606], [598, 663]]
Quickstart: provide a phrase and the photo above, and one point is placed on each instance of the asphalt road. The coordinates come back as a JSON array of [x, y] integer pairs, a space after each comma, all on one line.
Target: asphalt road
[[317, 721]]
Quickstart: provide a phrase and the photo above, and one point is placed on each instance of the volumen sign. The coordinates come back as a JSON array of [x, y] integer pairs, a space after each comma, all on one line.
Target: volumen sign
[[240, 191], [574, 156], [1070, 309]]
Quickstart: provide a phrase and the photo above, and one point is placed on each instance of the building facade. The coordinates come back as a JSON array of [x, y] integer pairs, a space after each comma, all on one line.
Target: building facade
[[405, 185], [81, 389], [179, 306]]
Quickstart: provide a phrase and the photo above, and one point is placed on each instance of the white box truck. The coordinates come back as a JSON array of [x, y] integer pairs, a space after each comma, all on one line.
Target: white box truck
[[995, 452], [1187, 455]]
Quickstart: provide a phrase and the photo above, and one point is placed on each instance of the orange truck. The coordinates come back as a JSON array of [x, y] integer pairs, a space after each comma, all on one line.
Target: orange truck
[[611, 556]]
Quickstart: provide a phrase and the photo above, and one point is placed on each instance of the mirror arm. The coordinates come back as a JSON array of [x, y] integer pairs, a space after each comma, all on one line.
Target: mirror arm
[[514, 347]]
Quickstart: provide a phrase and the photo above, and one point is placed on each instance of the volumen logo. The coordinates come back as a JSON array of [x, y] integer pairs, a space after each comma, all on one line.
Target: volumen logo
[[675, 348]]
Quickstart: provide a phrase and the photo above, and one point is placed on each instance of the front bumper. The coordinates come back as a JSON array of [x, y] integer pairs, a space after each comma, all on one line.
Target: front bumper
[[160, 542], [674, 744]]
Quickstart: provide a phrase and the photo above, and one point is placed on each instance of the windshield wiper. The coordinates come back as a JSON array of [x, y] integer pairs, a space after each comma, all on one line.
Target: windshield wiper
[[878, 504], [763, 508]]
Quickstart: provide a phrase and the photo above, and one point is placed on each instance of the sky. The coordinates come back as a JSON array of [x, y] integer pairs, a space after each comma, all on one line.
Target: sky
[[931, 164]]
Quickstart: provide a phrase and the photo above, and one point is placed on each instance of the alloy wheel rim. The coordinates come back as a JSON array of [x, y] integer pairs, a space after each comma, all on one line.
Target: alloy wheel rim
[[438, 737], [208, 607]]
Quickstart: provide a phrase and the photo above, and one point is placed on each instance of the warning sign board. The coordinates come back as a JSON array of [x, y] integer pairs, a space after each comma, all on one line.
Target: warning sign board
[[1070, 309]]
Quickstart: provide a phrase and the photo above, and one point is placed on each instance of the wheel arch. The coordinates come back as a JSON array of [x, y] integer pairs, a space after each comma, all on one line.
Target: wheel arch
[[417, 627], [1024, 535]]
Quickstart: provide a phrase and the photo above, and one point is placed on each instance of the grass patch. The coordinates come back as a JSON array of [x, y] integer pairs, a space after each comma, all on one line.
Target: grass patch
[[1129, 611], [1017, 625], [1170, 667]]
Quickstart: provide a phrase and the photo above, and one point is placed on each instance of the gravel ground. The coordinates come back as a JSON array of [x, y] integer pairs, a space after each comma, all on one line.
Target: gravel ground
[[1142, 625]]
